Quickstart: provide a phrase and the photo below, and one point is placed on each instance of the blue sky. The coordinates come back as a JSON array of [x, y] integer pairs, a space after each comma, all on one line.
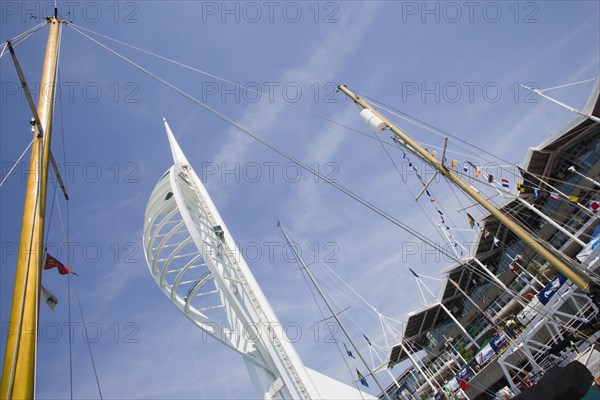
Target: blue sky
[[454, 66]]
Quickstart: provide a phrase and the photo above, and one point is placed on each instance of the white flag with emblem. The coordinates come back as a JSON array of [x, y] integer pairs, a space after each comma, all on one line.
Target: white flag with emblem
[[49, 298]]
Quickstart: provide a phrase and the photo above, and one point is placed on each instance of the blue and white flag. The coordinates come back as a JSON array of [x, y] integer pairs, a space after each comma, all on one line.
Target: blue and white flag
[[551, 288], [485, 355]]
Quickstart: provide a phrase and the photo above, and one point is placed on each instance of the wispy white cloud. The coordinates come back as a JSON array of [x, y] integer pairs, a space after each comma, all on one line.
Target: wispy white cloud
[[320, 65]]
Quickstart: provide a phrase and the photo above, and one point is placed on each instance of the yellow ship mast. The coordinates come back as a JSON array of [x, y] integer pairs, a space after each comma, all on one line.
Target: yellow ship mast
[[585, 284], [18, 372]]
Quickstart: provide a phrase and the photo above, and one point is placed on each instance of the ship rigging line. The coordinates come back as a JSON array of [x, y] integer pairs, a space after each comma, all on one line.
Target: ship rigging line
[[234, 124], [28, 262], [369, 309], [231, 122], [66, 237], [447, 215], [65, 233], [329, 327], [64, 154], [305, 269], [415, 121], [40, 146], [332, 273], [244, 87], [17, 40], [442, 134], [405, 181], [341, 188], [567, 85], [16, 164], [573, 265], [525, 225], [570, 262]]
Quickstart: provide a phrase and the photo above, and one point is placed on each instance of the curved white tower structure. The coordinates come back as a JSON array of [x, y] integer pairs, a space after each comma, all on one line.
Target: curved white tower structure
[[195, 262]]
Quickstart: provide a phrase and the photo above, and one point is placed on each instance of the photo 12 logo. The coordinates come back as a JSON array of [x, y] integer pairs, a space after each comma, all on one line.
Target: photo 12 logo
[[92, 332], [90, 172], [467, 92], [73, 254], [90, 12], [453, 12], [266, 171], [71, 92], [252, 92], [435, 252], [291, 331], [253, 12], [270, 252]]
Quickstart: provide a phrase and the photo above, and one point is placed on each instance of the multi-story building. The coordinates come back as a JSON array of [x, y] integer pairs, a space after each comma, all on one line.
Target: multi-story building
[[503, 316]]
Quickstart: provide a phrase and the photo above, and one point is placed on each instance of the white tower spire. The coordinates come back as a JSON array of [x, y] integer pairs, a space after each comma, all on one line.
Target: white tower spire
[[178, 156], [196, 263]]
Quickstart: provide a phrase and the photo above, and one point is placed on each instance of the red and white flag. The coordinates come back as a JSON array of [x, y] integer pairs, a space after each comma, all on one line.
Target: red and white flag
[[51, 262]]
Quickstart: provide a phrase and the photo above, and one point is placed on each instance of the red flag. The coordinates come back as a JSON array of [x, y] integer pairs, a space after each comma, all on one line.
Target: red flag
[[52, 262], [463, 384]]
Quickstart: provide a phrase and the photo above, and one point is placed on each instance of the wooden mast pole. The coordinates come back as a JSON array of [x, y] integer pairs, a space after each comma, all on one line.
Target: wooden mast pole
[[18, 372], [584, 284]]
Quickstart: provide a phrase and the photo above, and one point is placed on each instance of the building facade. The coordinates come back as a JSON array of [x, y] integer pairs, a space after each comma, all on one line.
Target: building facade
[[504, 316]]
